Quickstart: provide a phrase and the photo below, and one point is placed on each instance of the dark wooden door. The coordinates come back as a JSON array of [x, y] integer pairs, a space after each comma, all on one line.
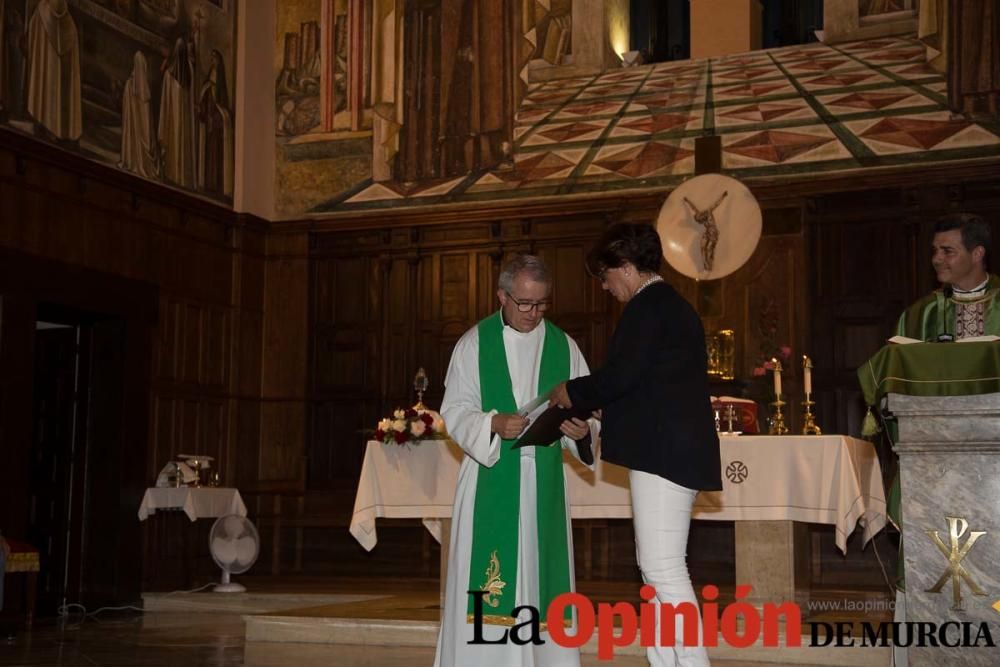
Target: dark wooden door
[[57, 445]]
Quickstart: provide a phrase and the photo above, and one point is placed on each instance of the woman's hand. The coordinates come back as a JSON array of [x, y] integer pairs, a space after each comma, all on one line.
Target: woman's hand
[[560, 396], [575, 429]]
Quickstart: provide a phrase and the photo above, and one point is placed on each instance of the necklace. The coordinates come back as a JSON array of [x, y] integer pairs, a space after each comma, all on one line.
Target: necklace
[[649, 281]]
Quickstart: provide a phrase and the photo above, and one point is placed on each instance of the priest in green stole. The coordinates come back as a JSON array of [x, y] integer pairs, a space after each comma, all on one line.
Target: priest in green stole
[[511, 535], [966, 304]]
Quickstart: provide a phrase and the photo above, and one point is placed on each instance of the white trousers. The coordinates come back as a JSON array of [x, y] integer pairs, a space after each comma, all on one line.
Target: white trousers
[[661, 512]]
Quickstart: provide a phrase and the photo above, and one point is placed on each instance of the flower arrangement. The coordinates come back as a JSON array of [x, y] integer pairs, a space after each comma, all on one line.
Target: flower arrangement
[[410, 425], [784, 352], [766, 329]]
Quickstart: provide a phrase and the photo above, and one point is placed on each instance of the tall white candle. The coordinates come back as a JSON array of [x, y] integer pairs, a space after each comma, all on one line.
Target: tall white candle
[[777, 376], [807, 374]]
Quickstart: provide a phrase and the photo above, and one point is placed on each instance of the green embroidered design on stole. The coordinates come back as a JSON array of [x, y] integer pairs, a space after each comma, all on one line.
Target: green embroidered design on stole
[[935, 314], [497, 509]]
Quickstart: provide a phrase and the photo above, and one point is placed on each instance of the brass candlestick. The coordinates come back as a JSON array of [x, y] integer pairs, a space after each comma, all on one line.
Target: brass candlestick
[[810, 427], [778, 419]]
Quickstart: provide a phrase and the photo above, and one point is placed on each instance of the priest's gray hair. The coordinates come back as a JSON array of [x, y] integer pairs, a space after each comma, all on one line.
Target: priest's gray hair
[[532, 265]]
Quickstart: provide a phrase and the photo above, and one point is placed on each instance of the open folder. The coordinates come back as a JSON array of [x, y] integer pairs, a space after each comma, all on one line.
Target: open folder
[[544, 427]]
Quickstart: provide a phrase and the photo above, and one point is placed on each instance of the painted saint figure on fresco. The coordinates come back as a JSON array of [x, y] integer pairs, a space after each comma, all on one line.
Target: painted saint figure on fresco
[[215, 136], [138, 149], [54, 70], [458, 117], [175, 131]]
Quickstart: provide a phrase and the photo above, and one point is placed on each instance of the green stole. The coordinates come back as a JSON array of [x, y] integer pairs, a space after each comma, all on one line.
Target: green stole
[[495, 531], [934, 313]]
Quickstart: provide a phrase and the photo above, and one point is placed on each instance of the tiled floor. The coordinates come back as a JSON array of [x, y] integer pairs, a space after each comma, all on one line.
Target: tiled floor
[[787, 111]]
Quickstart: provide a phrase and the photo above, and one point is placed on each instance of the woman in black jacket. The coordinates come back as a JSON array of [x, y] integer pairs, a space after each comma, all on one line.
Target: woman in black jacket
[[657, 414]]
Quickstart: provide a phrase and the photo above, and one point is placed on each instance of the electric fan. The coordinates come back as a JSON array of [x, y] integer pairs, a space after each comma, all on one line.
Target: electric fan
[[234, 544]]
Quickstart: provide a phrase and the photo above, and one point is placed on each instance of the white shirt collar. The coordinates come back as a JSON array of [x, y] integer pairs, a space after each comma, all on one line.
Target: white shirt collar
[[973, 293]]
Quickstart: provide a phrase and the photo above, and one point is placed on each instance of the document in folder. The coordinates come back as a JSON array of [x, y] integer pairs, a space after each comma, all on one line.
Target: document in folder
[[544, 429]]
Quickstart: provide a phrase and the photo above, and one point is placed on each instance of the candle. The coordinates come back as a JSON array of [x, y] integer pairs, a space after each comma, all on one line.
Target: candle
[[777, 377], [807, 374]]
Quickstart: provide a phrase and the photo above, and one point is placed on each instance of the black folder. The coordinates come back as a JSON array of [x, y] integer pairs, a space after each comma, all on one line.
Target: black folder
[[545, 430]]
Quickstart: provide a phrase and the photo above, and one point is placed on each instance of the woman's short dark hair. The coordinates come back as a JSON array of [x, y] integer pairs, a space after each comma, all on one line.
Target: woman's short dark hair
[[974, 229], [638, 244]]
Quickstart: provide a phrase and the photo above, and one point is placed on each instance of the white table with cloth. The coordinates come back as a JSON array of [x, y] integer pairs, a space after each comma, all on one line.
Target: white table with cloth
[[198, 502], [772, 487]]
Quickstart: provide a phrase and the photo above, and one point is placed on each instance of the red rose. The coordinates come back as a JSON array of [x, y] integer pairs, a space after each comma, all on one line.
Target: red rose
[[427, 419], [401, 437], [410, 413], [379, 435]]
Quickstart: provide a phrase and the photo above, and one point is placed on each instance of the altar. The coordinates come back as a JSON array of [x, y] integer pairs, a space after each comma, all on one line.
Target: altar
[[772, 487]]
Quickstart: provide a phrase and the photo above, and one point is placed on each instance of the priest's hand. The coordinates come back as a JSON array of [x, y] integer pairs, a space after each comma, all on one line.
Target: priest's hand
[[575, 429], [560, 396], [508, 427]]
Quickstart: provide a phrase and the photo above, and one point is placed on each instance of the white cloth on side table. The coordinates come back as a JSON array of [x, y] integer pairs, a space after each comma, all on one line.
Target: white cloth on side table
[[197, 502]]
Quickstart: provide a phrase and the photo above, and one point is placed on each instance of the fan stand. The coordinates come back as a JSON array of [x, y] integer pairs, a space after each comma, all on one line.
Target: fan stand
[[228, 587]]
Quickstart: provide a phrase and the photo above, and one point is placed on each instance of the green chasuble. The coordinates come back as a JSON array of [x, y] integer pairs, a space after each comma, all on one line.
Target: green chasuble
[[926, 369], [935, 314], [497, 507]]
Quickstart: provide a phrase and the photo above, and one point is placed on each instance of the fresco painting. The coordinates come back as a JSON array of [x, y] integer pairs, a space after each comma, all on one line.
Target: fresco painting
[[323, 98], [144, 85]]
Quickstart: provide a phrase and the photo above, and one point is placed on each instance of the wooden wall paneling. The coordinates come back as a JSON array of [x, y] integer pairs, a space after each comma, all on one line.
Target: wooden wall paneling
[[163, 446], [32, 221], [191, 338], [345, 359], [483, 276], [247, 367], [283, 430], [216, 342], [189, 425], [212, 418], [770, 305], [855, 306], [243, 437], [166, 348], [284, 367], [285, 315], [246, 443], [571, 290], [444, 296]]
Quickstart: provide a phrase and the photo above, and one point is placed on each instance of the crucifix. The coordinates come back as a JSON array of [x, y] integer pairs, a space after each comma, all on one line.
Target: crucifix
[[710, 237]]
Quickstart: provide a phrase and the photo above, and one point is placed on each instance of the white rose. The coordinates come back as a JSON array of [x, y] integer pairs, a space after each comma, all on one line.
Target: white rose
[[384, 425], [398, 414], [417, 428], [399, 425]]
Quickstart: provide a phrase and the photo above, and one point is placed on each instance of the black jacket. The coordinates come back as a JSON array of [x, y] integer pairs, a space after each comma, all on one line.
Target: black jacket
[[653, 389]]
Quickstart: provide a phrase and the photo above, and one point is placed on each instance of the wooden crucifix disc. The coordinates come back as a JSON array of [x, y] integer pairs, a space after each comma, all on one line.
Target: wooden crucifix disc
[[709, 226]]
